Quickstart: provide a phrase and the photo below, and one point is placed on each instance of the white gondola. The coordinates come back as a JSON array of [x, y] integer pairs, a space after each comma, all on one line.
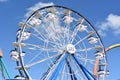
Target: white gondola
[[37, 14], [19, 78], [51, 16], [103, 64], [99, 55], [101, 70], [19, 67], [16, 44], [21, 24], [14, 55], [67, 19], [98, 48], [18, 33], [101, 73], [25, 35], [82, 28], [108, 73], [92, 40], [22, 54], [67, 12], [52, 10], [35, 22]]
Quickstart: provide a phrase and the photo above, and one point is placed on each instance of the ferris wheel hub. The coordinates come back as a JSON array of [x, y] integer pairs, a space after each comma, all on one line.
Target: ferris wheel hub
[[71, 48]]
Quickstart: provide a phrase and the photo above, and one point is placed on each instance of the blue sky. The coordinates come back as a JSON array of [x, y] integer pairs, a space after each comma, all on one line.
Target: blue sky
[[103, 14]]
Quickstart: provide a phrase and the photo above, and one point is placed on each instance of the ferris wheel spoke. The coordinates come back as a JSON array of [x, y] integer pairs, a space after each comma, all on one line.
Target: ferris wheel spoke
[[41, 49], [32, 59], [38, 47], [75, 31], [85, 71], [68, 32], [40, 61], [53, 31], [39, 33], [74, 34], [39, 38], [81, 40], [85, 58], [52, 44], [49, 32], [57, 30], [44, 37], [85, 49], [46, 40]]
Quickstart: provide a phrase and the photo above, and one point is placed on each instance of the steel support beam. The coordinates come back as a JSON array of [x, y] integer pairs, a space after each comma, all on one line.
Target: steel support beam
[[88, 75], [59, 67]]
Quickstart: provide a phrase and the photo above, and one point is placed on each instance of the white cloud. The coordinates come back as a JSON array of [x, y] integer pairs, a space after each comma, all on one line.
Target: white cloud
[[37, 6], [3, 0], [102, 33], [111, 22]]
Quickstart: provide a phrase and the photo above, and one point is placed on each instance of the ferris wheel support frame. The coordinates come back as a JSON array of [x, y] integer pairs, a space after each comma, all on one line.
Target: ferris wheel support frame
[[88, 75], [73, 76], [55, 73]]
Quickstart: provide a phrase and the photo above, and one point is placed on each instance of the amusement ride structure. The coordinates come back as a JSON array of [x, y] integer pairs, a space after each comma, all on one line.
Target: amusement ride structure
[[4, 74], [58, 43]]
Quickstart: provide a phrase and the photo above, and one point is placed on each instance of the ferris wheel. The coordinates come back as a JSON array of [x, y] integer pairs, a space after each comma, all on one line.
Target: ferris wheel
[[58, 43]]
